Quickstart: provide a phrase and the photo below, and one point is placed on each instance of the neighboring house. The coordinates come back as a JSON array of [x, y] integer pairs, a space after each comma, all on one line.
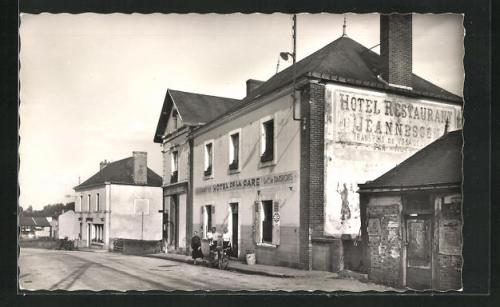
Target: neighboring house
[[34, 227], [181, 113], [68, 225], [121, 201], [280, 171], [413, 219]]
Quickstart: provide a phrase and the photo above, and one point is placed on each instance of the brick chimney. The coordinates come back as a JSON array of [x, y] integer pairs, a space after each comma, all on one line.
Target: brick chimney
[[396, 49], [140, 167], [252, 84], [103, 164]]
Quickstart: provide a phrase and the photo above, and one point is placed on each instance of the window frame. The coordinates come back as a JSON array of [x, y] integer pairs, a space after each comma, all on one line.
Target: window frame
[[174, 165], [207, 175], [269, 202], [263, 139], [208, 218], [231, 149]]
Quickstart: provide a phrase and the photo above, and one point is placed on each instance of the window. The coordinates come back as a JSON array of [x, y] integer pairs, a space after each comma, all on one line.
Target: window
[[208, 159], [88, 203], [234, 151], [174, 119], [267, 221], [81, 203], [207, 213], [175, 164], [267, 141], [97, 203]]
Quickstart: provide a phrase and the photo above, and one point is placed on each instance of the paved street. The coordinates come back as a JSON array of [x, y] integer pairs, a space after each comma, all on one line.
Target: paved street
[[78, 270]]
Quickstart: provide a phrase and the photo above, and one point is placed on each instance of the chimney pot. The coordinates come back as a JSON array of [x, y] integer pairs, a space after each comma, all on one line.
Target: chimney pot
[[140, 167], [103, 164], [396, 49]]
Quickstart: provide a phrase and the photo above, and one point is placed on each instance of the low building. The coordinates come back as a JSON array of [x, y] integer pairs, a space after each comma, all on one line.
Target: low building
[[181, 113], [121, 201], [413, 219], [68, 225], [33, 227]]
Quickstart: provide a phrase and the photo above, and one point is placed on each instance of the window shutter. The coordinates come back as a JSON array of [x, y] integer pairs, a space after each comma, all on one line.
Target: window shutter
[[257, 222], [213, 216], [276, 223]]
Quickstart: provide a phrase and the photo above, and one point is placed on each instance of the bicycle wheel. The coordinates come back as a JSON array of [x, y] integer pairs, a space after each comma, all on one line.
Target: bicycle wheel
[[223, 263]]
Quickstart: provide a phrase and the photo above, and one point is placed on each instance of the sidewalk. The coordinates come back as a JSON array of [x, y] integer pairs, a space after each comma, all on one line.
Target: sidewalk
[[258, 269]]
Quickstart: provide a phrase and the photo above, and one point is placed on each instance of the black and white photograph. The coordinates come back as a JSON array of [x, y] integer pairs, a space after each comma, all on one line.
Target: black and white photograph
[[241, 152]]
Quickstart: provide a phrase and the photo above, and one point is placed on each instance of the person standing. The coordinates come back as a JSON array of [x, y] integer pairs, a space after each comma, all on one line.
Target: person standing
[[196, 247]]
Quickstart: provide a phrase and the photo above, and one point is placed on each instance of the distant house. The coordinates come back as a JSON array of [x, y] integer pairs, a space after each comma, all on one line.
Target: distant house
[[34, 227], [68, 225], [121, 201], [413, 219]]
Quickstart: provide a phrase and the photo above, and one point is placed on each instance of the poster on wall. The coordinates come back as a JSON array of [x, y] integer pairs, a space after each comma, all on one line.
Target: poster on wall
[[342, 215]]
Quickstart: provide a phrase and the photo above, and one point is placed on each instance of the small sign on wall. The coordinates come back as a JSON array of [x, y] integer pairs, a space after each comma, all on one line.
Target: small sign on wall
[[141, 206]]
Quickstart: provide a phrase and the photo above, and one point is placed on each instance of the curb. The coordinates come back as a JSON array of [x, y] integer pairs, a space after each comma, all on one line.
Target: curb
[[229, 268]]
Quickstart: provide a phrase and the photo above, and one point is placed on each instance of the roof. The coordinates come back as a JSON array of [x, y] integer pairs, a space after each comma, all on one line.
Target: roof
[[194, 109], [439, 163], [120, 172], [34, 221], [347, 61]]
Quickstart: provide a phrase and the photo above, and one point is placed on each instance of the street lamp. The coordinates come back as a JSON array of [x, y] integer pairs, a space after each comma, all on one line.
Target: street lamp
[[285, 56]]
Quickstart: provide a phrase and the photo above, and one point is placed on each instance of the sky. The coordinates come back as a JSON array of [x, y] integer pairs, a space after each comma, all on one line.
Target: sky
[[92, 85]]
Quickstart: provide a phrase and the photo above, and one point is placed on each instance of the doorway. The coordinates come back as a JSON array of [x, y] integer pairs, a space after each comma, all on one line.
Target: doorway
[[235, 233], [89, 234], [174, 207], [419, 252]]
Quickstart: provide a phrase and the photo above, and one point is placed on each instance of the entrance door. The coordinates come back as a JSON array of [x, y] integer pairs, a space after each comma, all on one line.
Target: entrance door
[[175, 220], [418, 252], [236, 235], [89, 234], [165, 228]]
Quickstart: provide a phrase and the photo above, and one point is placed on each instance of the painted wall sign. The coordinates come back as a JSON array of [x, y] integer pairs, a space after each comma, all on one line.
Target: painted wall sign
[[390, 123], [248, 183], [367, 133], [450, 235]]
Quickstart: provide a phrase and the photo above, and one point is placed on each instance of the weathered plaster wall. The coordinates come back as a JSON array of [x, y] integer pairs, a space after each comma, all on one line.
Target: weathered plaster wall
[[366, 134], [287, 160], [126, 217]]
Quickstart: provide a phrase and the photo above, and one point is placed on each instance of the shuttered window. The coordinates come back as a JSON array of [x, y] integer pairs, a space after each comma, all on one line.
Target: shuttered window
[[267, 222]]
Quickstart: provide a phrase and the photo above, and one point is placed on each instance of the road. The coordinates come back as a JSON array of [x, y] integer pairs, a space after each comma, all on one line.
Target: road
[[78, 270]]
